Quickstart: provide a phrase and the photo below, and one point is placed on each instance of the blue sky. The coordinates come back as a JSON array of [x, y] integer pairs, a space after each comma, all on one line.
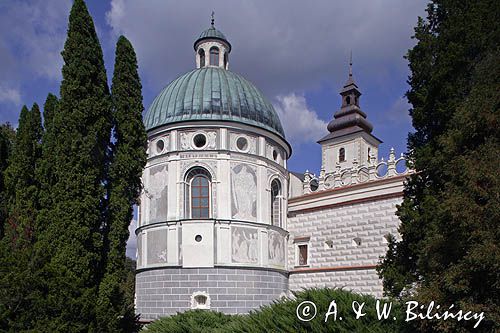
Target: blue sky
[[296, 52]]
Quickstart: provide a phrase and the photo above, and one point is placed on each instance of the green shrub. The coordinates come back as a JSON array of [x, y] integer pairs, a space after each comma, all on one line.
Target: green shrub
[[280, 316], [196, 321]]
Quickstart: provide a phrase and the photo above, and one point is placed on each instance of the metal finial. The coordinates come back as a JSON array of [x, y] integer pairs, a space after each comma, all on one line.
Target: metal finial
[[350, 65], [213, 18]]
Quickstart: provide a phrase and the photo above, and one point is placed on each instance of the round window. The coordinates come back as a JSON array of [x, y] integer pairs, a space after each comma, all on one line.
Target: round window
[[275, 154], [314, 185], [160, 144], [242, 144], [198, 238], [199, 140]]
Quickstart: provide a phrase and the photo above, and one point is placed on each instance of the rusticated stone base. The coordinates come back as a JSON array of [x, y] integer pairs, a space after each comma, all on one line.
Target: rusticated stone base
[[165, 291]]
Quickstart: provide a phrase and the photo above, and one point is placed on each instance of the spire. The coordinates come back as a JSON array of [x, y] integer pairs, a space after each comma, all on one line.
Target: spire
[[350, 65], [212, 21], [350, 80], [350, 118]]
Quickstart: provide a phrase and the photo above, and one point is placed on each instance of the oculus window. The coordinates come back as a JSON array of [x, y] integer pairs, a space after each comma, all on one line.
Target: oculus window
[[199, 140]]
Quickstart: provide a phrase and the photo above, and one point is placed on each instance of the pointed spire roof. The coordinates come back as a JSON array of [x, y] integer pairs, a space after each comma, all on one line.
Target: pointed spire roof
[[350, 65], [349, 119], [350, 83]]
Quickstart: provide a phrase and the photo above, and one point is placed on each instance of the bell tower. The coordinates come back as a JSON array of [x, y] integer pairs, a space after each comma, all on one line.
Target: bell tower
[[350, 141]]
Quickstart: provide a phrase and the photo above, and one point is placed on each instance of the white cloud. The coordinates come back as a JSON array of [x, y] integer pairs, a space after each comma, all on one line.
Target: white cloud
[[301, 124], [132, 240], [10, 95], [116, 14], [281, 45], [32, 35]]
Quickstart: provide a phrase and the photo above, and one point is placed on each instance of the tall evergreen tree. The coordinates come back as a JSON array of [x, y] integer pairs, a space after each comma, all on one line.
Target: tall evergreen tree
[[70, 244], [45, 171], [20, 180], [49, 110], [450, 214], [17, 277], [7, 136], [116, 311]]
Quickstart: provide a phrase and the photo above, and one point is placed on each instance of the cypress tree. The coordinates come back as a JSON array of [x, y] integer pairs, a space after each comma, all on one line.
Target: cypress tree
[[450, 213], [45, 172], [7, 136], [128, 159], [20, 180], [17, 276], [70, 243], [49, 110]]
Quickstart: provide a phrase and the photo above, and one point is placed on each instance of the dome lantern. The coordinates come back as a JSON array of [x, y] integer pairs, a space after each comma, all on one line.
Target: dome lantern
[[212, 48]]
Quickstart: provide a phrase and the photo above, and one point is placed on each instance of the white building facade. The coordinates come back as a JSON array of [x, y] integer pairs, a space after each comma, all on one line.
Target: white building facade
[[223, 225]]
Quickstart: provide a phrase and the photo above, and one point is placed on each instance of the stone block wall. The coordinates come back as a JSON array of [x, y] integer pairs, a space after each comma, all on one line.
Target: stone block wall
[[344, 244], [364, 281], [165, 291]]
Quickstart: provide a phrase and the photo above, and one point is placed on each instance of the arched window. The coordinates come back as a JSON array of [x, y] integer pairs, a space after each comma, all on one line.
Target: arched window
[[225, 60], [198, 183], [348, 100], [214, 56], [201, 53], [342, 155], [368, 158], [275, 203]]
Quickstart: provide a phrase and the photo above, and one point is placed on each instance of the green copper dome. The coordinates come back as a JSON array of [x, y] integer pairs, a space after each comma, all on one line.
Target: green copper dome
[[212, 93]]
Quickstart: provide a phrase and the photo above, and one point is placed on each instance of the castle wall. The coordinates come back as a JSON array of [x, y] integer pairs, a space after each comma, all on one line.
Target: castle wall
[[345, 231], [166, 291]]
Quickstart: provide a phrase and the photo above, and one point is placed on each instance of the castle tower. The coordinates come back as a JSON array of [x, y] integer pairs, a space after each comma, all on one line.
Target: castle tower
[[339, 222], [212, 228], [350, 141]]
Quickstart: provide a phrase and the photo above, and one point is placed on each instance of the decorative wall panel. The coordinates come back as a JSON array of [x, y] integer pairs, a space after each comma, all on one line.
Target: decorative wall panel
[[157, 246], [244, 192], [276, 246], [157, 192], [245, 245]]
